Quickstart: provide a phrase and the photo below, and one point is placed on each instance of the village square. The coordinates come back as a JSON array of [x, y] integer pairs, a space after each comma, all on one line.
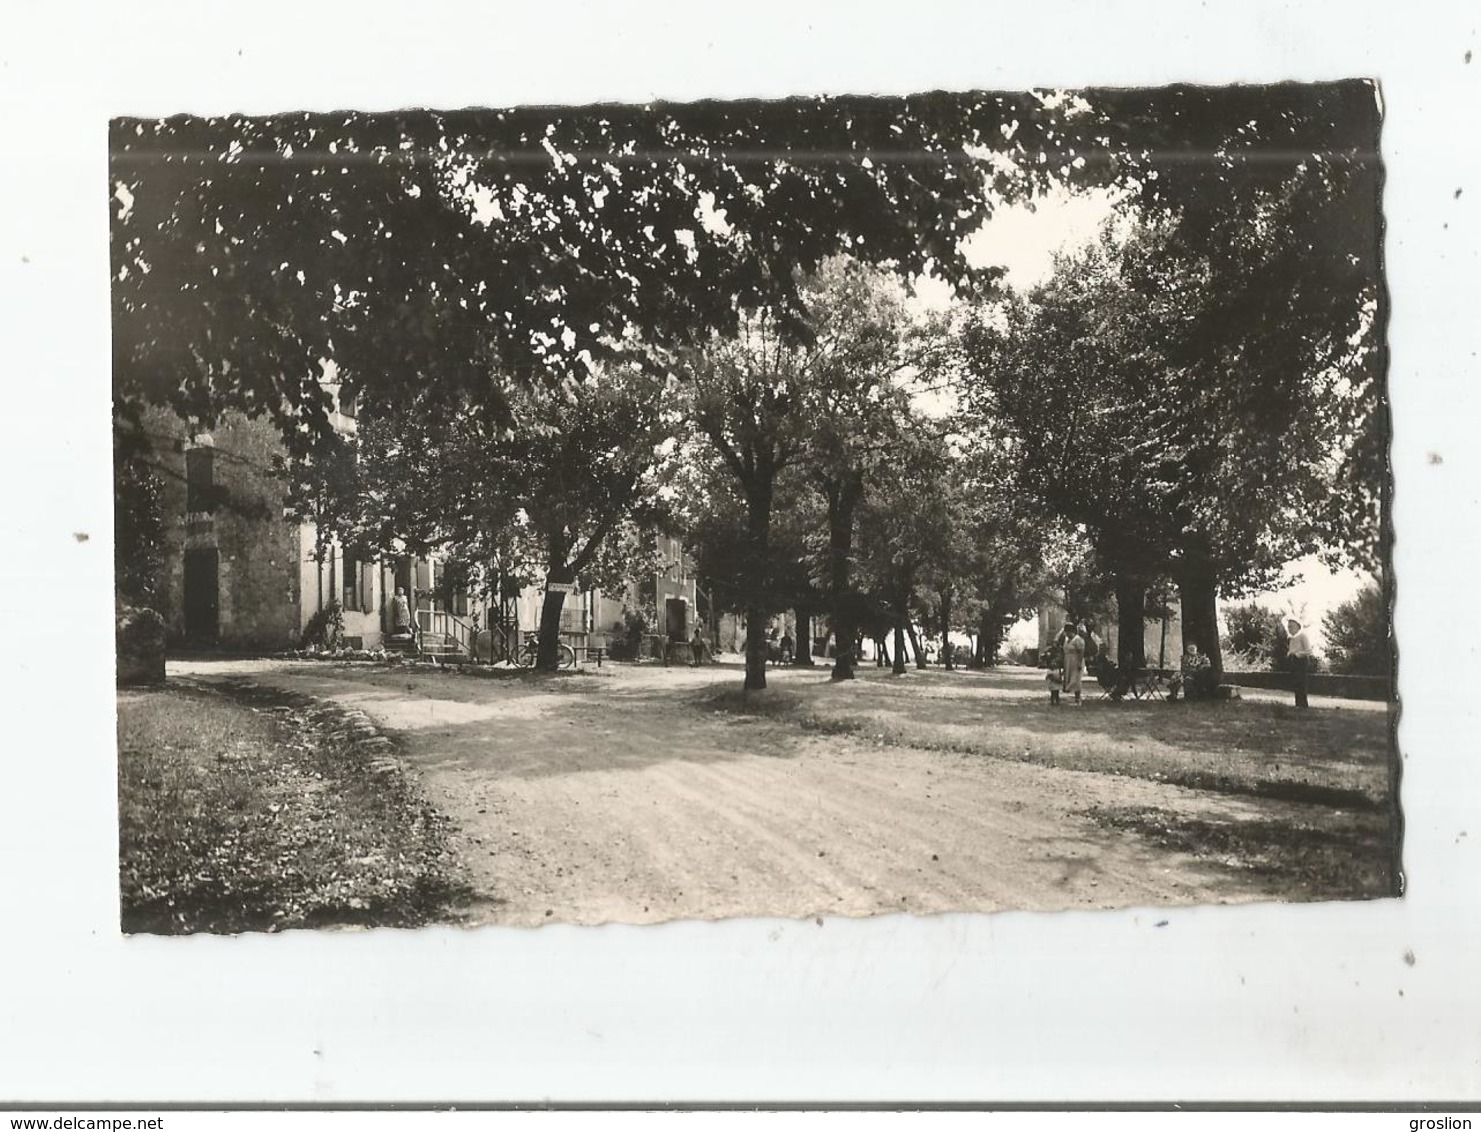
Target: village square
[[830, 507]]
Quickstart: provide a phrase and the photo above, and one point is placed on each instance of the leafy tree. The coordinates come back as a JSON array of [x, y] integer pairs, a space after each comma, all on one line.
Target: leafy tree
[[1357, 635], [745, 398], [982, 558], [1284, 402], [1281, 211], [854, 404], [474, 252], [1255, 633], [138, 530], [1005, 576], [1070, 371], [713, 515], [908, 521], [547, 498], [1183, 433]]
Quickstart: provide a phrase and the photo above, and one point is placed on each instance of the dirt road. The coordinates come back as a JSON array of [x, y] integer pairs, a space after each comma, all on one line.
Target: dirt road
[[634, 795]]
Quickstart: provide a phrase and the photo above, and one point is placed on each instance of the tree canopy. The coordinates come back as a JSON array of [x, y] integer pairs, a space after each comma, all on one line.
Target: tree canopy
[[460, 250], [1199, 395]]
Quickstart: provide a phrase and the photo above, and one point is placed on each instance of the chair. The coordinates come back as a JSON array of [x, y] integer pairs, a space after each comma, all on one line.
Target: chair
[[1108, 677], [1150, 684]]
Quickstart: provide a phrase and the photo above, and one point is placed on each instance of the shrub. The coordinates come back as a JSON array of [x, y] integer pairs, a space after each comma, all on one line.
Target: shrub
[[326, 629], [1255, 634], [1021, 654], [629, 634], [1357, 633], [139, 643]]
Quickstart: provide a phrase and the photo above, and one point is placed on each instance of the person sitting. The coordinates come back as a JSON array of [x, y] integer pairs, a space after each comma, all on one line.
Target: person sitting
[[1108, 676], [1194, 678]]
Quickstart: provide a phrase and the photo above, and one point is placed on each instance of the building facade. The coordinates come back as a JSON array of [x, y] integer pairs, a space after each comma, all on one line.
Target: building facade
[[242, 573], [670, 595]]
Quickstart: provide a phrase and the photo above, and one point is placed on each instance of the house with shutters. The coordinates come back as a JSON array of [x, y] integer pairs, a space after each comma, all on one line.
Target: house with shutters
[[243, 573], [671, 592]]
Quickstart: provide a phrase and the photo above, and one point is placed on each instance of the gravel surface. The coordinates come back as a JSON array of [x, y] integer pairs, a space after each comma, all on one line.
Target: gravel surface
[[642, 794]]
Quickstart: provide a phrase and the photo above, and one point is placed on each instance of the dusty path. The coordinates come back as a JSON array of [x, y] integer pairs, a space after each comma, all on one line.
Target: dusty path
[[627, 796]]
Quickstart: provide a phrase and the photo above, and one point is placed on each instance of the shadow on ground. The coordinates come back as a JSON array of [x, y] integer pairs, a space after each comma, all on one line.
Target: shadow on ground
[[1327, 756]]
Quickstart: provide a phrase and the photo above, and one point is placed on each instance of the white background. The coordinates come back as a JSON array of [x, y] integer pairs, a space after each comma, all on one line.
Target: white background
[[1271, 1002]]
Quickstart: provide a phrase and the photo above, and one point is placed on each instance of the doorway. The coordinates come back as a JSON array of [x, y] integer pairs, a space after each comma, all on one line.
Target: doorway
[[676, 618], [202, 595]]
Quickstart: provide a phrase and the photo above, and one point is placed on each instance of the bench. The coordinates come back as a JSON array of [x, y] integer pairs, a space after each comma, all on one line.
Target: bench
[[590, 652]]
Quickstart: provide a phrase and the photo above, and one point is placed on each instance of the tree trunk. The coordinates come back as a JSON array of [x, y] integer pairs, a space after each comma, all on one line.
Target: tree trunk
[[920, 654], [755, 647], [898, 666], [802, 653], [992, 628], [983, 656], [547, 655], [758, 527], [946, 658], [1198, 592], [1131, 627], [843, 498]]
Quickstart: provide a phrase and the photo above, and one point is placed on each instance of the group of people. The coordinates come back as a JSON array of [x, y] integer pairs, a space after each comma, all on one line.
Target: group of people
[[1195, 676], [1070, 647]]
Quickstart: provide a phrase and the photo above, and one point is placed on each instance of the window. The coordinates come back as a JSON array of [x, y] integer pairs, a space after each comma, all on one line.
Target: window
[[354, 595], [200, 487]]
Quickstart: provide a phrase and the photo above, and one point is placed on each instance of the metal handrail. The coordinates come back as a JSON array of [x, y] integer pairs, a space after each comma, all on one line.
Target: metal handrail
[[450, 625]]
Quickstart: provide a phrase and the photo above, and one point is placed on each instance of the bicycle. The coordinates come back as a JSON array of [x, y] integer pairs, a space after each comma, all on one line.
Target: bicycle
[[530, 651]]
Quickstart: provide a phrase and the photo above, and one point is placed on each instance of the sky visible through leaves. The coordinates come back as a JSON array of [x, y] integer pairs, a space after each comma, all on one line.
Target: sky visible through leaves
[[1023, 239]]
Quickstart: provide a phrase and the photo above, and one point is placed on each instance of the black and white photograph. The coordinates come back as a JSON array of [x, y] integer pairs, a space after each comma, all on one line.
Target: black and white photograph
[[828, 506], [796, 555]]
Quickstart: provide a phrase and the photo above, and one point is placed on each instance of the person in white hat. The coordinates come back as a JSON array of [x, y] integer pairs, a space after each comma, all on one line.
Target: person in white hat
[[1298, 650]]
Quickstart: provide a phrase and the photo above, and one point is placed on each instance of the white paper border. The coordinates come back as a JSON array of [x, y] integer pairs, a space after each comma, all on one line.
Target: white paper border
[[1249, 1003]]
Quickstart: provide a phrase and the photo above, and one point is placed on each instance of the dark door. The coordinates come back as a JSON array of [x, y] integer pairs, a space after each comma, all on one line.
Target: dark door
[[676, 613], [202, 579]]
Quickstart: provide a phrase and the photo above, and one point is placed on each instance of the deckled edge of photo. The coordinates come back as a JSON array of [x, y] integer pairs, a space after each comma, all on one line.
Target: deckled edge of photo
[[1360, 1002]]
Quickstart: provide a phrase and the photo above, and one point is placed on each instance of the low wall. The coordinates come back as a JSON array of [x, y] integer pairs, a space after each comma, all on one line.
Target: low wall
[[1318, 684]]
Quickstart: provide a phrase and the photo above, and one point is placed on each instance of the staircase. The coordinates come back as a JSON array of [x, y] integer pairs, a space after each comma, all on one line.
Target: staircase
[[435, 646], [405, 647], [441, 647], [444, 637]]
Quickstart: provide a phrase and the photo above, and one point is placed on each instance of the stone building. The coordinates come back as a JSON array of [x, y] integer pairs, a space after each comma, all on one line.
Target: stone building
[[241, 573], [671, 593]]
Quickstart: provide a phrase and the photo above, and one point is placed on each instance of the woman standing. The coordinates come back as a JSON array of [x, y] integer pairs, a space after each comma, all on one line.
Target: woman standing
[[1074, 658]]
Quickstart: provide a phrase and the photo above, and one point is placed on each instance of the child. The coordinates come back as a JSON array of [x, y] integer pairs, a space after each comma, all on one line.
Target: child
[[1055, 680]]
